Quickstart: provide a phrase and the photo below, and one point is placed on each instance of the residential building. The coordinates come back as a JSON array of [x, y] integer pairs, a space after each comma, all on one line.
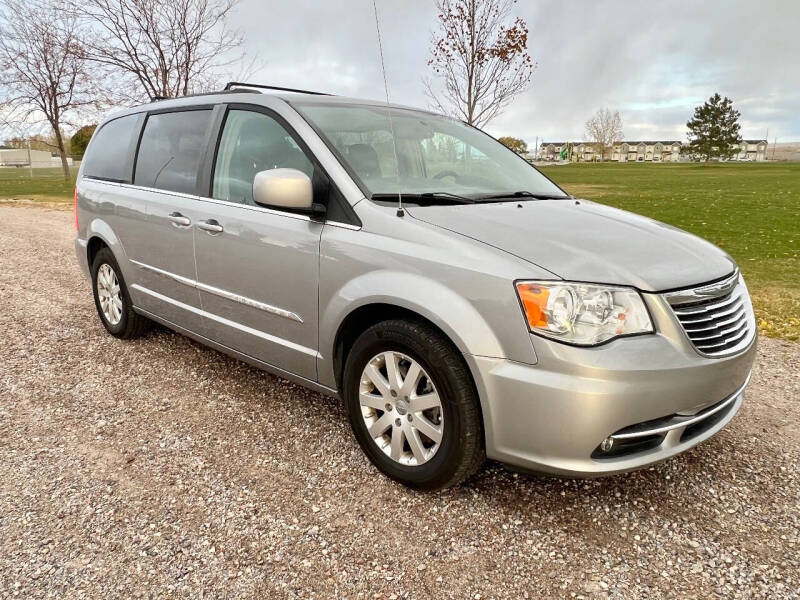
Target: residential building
[[19, 157], [625, 151], [639, 151], [752, 150], [647, 151]]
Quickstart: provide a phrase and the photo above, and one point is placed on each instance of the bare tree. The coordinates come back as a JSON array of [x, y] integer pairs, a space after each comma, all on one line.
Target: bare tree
[[481, 59], [167, 48], [42, 75], [604, 128]]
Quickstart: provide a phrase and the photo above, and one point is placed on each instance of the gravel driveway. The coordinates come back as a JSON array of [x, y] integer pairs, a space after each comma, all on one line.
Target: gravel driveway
[[159, 468]]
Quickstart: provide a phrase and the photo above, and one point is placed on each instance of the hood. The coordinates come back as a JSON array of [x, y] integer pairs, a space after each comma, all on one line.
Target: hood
[[585, 241]]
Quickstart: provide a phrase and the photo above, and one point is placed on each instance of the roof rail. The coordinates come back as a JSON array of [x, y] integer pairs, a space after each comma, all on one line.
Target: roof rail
[[225, 91], [233, 84]]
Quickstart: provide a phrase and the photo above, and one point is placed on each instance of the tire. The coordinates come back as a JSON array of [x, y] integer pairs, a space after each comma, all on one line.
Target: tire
[[123, 322], [444, 376]]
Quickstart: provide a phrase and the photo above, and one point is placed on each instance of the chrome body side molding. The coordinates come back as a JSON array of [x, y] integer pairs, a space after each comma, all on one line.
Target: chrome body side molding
[[260, 364], [228, 322], [281, 312]]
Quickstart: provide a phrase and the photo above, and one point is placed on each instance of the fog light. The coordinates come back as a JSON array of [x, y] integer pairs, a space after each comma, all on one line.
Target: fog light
[[607, 444]]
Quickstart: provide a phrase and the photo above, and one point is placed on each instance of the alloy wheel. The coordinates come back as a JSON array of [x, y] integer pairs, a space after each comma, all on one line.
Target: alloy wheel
[[109, 294], [401, 408]]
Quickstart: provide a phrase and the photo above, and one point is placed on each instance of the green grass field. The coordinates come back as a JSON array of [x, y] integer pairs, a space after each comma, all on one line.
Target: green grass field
[[47, 185], [751, 210]]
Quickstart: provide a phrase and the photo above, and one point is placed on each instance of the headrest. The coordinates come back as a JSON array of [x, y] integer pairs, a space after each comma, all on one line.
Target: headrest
[[364, 160]]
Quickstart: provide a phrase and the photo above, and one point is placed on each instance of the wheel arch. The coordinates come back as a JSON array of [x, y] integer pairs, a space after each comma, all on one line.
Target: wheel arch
[[350, 311], [364, 317], [95, 244], [99, 234]]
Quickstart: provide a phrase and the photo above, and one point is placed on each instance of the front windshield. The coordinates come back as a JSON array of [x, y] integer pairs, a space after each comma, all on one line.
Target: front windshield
[[434, 154]]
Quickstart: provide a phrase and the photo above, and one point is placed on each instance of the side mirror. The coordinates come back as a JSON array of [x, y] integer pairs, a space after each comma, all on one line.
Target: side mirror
[[285, 188]]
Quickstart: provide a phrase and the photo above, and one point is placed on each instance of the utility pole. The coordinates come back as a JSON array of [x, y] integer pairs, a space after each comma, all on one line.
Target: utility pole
[[30, 162], [536, 149], [774, 143]]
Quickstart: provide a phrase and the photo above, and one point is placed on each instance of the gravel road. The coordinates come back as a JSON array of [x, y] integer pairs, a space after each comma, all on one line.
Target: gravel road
[[161, 468]]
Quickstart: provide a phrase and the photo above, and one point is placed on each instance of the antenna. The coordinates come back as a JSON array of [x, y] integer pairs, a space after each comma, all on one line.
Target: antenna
[[400, 211]]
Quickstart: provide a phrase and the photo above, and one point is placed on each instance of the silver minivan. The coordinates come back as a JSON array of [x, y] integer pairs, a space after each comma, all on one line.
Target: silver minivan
[[460, 303]]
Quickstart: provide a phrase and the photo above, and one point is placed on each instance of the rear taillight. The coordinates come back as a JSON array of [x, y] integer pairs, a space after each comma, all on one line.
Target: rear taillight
[[75, 207]]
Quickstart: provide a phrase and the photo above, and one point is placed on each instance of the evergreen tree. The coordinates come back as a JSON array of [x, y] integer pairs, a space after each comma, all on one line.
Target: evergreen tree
[[80, 140], [714, 129]]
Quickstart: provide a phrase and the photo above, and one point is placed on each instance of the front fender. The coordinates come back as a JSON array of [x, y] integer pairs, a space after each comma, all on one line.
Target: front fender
[[451, 312]]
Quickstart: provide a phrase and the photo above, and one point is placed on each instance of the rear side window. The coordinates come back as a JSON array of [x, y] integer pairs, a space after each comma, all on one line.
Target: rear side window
[[171, 150], [108, 157]]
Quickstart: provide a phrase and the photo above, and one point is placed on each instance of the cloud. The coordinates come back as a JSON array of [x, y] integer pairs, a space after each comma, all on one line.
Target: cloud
[[652, 61]]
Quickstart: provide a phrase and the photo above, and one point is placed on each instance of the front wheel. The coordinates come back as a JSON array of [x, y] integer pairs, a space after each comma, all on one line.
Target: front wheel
[[412, 405]]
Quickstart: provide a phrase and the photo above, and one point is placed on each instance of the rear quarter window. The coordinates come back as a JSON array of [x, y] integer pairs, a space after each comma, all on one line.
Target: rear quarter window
[[109, 154], [171, 150]]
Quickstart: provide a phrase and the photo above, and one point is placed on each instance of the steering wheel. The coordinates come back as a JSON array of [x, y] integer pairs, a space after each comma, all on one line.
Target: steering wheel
[[443, 174]]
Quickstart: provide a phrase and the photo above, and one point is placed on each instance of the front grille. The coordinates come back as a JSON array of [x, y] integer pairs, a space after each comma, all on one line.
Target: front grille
[[717, 318]]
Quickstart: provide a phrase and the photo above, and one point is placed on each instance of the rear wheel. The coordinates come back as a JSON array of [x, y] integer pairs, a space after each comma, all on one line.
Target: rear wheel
[[112, 300], [412, 405]]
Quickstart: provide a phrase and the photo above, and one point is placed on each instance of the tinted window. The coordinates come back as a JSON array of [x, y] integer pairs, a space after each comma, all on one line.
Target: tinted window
[[253, 142], [171, 150], [108, 155]]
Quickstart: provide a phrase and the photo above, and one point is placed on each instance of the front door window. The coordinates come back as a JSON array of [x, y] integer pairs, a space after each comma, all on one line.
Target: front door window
[[253, 142]]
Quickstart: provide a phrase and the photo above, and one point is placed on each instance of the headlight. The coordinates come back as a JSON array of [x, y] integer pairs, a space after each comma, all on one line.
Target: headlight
[[582, 313]]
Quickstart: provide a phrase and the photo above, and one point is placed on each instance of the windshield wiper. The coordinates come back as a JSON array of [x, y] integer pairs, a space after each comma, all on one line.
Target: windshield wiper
[[522, 194], [427, 198], [462, 199]]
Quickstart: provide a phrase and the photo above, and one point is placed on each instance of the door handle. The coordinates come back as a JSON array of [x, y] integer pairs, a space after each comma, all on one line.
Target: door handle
[[211, 226], [178, 220]]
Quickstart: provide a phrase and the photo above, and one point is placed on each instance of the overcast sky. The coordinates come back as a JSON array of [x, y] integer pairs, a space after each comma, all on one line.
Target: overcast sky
[[652, 61]]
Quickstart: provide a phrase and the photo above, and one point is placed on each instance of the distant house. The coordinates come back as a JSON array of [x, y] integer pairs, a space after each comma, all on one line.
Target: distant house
[[635, 151], [639, 151], [752, 150], [554, 151], [648, 151], [19, 157]]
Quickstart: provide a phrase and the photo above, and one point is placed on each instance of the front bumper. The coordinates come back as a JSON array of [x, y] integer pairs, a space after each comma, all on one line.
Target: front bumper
[[654, 394]]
